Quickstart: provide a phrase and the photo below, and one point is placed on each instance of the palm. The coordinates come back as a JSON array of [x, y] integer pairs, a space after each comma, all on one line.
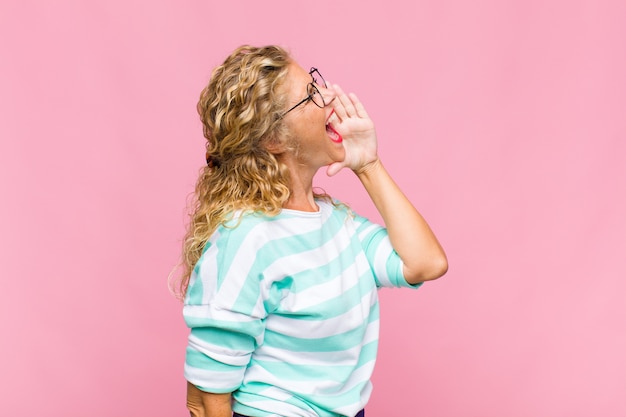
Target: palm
[[358, 133]]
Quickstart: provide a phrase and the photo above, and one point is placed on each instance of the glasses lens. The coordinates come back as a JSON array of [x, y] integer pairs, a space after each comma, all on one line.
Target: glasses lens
[[316, 96], [317, 78]]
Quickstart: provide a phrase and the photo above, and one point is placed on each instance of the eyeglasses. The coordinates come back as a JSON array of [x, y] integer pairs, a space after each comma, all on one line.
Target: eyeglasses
[[313, 93]]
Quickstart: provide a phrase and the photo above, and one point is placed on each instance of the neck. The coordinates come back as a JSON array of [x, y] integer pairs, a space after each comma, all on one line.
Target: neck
[[301, 203], [301, 187]]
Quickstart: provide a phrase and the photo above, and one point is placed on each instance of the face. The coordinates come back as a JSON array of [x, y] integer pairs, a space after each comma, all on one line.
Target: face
[[314, 143]]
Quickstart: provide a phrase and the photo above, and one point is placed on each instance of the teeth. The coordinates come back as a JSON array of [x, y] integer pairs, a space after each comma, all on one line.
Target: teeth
[[332, 134]]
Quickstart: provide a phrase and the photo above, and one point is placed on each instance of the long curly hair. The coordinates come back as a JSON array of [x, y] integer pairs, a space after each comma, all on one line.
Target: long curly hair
[[241, 111]]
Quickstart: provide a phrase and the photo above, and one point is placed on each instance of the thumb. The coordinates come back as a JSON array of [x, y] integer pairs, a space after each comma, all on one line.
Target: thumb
[[334, 168]]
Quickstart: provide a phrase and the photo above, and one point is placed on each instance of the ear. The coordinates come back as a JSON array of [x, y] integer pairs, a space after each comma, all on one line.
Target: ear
[[275, 146]]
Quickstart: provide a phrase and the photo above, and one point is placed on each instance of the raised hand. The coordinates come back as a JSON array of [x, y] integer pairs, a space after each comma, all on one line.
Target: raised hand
[[353, 123]]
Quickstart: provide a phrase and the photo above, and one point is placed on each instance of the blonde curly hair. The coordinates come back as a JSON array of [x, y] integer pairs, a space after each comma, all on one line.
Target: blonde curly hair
[[241, 111]]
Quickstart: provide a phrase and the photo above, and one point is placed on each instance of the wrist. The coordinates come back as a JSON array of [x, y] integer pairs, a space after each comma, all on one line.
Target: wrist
[[369, 169]]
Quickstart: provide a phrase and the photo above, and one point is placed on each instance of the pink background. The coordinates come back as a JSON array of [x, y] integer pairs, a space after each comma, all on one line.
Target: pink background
[[504, 121]]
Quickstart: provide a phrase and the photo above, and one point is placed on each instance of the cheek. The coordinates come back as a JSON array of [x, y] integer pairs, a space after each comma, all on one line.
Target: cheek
[[310, 122]]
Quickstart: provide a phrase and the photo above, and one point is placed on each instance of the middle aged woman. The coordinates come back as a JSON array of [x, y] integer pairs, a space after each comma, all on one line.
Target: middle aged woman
[[281, 283]]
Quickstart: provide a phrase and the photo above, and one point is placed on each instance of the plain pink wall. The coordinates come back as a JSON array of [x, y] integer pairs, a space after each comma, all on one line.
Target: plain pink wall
[[504, 121]]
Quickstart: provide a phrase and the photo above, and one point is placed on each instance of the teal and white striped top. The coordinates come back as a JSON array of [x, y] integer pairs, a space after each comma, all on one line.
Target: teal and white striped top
[[283, 311]]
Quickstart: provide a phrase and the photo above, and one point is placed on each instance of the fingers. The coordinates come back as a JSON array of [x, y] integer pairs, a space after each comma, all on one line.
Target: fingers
[[347, 105], [338, 104], [358, 106], [345, 101]]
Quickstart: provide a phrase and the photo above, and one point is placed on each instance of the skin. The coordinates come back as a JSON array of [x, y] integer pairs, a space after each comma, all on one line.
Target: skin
[[311, 147], [422, 256], [207, 404]]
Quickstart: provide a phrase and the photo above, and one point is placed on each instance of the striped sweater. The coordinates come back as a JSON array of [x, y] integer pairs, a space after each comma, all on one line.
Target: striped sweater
[[283, 311]]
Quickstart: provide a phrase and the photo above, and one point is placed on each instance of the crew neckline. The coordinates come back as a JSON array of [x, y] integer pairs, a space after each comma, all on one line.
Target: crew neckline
[[321, 205]]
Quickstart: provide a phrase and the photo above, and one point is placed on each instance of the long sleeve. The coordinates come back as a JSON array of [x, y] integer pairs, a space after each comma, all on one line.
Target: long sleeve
[[225, 311]]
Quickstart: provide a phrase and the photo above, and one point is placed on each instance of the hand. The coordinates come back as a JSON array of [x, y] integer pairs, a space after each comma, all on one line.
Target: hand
[[206, 404], [357, 130]]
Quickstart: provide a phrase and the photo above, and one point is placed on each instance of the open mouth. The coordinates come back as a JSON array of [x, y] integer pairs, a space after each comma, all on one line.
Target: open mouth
[[330, 130]]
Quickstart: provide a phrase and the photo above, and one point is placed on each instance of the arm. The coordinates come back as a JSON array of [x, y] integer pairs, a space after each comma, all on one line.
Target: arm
[[223, 335], [422, 256], [206, 404]]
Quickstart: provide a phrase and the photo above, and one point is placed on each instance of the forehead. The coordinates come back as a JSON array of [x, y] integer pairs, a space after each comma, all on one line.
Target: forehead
[[297, 78], [298, 72]]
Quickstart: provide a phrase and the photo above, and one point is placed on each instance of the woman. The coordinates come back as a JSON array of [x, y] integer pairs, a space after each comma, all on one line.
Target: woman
[[281, 282]]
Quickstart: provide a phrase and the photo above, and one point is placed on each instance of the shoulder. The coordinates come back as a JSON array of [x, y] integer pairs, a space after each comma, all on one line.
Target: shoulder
[[236, 242], [343, 211], [243, 226], [335, 207]]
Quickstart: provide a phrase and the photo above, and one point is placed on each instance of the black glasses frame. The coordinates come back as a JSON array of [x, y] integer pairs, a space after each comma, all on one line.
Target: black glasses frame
[[314, 91]]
